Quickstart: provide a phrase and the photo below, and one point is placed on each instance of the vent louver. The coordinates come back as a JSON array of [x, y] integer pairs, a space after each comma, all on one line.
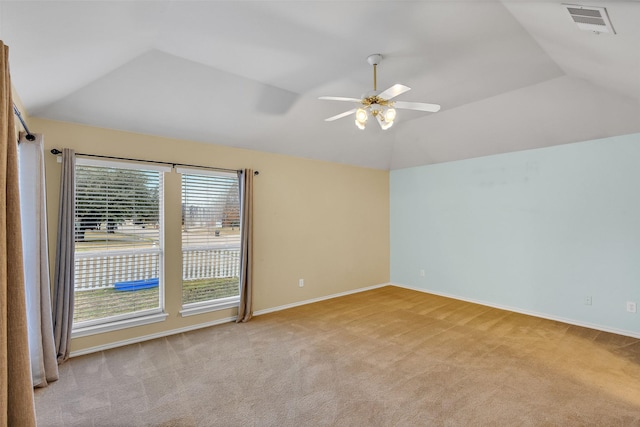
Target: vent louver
[[589, 18]]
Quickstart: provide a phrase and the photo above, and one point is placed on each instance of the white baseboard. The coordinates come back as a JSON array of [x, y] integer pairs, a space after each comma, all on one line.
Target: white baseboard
[[527, 312], [311, 301], [162, 334]]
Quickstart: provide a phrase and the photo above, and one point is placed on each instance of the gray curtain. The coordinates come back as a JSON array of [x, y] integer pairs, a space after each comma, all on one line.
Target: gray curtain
[[44, 367], [63, 283], [245, 309], [16, 390]]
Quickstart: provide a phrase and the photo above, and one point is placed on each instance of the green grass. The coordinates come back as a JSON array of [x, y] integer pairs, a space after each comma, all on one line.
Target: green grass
[[208, 289], [99, 303]]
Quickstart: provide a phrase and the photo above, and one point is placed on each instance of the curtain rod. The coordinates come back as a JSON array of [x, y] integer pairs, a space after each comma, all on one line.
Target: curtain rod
[[55, 152], [30, 136]]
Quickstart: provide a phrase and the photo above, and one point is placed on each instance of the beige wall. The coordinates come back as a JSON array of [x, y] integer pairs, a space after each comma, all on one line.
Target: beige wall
[[325, 222]]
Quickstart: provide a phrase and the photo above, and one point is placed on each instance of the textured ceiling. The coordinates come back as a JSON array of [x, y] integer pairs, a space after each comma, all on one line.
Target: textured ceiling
[[509, 75]]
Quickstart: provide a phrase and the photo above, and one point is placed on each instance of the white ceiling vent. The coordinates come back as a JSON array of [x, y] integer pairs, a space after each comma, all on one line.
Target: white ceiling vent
[[590, 18]]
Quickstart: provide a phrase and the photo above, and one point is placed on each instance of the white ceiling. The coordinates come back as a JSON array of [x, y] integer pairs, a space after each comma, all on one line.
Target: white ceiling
[[510, 75]]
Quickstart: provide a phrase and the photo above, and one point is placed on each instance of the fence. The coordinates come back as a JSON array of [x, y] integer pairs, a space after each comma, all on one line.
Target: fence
[[100, 270], [210, 263]]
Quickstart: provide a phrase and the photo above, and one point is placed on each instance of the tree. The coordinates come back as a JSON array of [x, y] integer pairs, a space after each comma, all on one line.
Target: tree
[[113, 196], [231, 209]]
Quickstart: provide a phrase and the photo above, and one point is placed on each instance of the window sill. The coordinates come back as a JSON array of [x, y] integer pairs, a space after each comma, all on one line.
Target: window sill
[[208, 306], [120, 324]]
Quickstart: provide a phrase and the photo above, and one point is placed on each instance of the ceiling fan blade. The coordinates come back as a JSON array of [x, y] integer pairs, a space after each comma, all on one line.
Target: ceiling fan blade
[[420, 106], [393, 91], [341, 115], [339, 98]]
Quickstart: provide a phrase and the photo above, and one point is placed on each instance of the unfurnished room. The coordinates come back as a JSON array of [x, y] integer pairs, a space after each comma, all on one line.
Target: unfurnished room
[[320, 213]]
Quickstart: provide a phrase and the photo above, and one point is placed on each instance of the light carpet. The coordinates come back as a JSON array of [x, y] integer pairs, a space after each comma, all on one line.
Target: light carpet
[[385, 357]]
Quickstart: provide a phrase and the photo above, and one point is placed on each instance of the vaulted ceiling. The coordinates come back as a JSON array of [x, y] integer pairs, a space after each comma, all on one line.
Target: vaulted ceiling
[[509, 75]]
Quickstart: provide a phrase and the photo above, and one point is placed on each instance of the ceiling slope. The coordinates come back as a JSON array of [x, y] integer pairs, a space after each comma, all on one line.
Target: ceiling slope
[[509, 75]]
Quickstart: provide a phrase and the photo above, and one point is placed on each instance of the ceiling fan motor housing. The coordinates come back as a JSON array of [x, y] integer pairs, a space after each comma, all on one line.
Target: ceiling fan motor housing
[[371, 94]]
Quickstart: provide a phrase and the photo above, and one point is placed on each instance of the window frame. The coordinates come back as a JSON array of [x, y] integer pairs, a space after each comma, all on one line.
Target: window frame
[[141, 317], [194, 308]]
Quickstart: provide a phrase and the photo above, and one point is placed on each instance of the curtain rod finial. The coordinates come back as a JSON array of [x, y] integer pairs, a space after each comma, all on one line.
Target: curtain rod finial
[[56, 151], [256, 173]]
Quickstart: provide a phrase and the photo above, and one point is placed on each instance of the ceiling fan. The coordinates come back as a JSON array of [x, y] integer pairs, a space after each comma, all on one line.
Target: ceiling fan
[[379, 104]]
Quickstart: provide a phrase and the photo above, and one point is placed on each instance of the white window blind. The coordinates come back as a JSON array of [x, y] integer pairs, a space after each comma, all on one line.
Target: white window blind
[[118, 234], [210, 237]]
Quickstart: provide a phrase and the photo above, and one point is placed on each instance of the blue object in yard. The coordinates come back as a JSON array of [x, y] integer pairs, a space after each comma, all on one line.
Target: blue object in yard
[[136, 285]]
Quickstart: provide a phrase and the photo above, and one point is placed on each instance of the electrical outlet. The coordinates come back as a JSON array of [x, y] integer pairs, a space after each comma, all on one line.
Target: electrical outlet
[[301, 282], [587, 300], [631, 306], [421, 273]]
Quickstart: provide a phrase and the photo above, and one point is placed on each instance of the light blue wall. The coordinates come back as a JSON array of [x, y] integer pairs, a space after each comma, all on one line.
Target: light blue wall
[[535, 231]]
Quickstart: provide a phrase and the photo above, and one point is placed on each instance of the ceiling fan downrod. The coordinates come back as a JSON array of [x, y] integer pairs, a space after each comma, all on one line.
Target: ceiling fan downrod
[[374, 60]]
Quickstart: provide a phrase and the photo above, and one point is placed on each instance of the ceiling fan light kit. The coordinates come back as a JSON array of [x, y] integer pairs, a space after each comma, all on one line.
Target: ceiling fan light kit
[[361, 118], [379, 104]]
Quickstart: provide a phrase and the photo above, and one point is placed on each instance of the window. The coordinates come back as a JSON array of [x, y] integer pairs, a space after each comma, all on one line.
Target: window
[[210, 240], [118, 242], [119, 250]]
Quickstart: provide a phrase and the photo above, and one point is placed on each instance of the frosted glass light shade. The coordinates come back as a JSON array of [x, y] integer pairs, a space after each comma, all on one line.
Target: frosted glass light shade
[[361, 115], [390, 115]]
